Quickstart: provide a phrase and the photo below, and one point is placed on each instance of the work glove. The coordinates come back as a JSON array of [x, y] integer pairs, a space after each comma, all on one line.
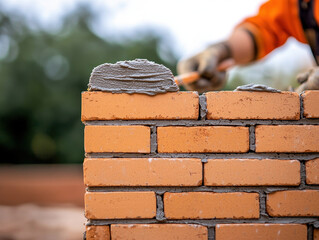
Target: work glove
[[206, 63], [309, 80]]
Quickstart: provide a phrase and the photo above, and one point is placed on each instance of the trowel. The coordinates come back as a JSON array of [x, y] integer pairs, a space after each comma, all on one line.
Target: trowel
[[191, 77], [186, 78]]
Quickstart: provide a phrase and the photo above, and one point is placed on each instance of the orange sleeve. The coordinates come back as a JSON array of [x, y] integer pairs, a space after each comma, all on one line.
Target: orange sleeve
[[275, 22]]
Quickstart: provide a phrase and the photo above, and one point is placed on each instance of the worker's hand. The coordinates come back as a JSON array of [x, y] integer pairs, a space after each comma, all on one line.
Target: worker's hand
[[309, 80], [206, 63]]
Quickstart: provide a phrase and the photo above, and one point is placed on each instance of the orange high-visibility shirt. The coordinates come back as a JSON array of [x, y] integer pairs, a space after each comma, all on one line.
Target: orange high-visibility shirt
[[277, 20]]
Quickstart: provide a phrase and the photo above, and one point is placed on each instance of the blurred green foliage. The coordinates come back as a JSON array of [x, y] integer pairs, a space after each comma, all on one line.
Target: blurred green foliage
[[43, 71], [42, 75]]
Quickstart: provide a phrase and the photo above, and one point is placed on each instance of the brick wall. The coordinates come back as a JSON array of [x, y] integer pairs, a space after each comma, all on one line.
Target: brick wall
[[225, 165]]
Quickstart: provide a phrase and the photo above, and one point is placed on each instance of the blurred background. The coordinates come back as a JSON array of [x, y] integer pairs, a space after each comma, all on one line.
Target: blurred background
[[47, 52]]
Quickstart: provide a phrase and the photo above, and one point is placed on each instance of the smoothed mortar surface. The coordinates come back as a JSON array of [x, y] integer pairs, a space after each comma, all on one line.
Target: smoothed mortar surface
[[136, 76]]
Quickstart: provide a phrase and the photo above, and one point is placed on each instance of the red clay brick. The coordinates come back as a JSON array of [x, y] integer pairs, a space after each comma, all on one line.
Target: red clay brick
[[293, 203], [111, 106], [251, 172], [97, 233], [131, 139], [253, 105], [117, 205], [205, 205], [311, 104], [287, 138], [158, 232], [316, 234], [202, 139], [142, 172], [312, 171], [261, 232]]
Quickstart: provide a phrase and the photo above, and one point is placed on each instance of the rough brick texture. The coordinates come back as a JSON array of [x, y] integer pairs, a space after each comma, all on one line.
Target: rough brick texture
[[110, 106], [202, 139], [247, 170], [261, 232], [311, 104], [290, 138], [159, 232], [142, 172], [205, 205], [97, 233], [251, 172], [253, 105], [132, 139], [293, 203], [117, 205], [312, 171]]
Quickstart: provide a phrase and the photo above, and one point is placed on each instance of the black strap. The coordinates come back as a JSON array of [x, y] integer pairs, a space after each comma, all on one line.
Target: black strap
[[254, 42]]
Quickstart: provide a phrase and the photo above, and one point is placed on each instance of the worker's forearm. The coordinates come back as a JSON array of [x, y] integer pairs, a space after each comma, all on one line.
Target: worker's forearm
[[242, 46]]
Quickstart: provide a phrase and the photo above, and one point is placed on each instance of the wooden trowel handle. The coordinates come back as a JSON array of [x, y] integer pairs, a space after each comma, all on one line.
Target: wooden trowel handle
[[186, 78]]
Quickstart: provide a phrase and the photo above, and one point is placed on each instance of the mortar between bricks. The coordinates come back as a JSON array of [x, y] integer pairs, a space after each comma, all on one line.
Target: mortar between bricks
[[263, 191]]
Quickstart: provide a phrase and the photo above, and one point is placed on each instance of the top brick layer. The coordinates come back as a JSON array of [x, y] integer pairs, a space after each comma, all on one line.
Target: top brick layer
[[110, 106], [253, 105]]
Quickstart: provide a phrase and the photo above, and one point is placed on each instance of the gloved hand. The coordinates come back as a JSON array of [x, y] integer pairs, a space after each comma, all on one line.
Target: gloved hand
[[309, 80], [206, 63]]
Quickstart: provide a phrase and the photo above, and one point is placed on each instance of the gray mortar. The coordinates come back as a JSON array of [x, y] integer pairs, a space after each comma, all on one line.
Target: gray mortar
[[204, 161], [153, 139], [310, 232], [252, 146], [256, 88], [136, 76], [188, 123], [207, 222], [203, 107], [211, 233], [303, 175], [161, 192], [160, 215], [262, 205], [220, 189], [250, 155]]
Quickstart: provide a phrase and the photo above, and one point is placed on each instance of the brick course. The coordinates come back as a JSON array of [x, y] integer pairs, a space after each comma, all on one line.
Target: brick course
[[312, 171], [205, 205], [97, 232], [311, 104], [117, 205], [242, 172], [132, 139], [159, 232], [293, 203], [253, 105], [142, 172], [202, 139], [261, 232], [110, 106], [289, 138]]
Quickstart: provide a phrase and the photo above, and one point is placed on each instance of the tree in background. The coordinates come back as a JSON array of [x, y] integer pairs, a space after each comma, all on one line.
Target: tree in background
[[42, 75]]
